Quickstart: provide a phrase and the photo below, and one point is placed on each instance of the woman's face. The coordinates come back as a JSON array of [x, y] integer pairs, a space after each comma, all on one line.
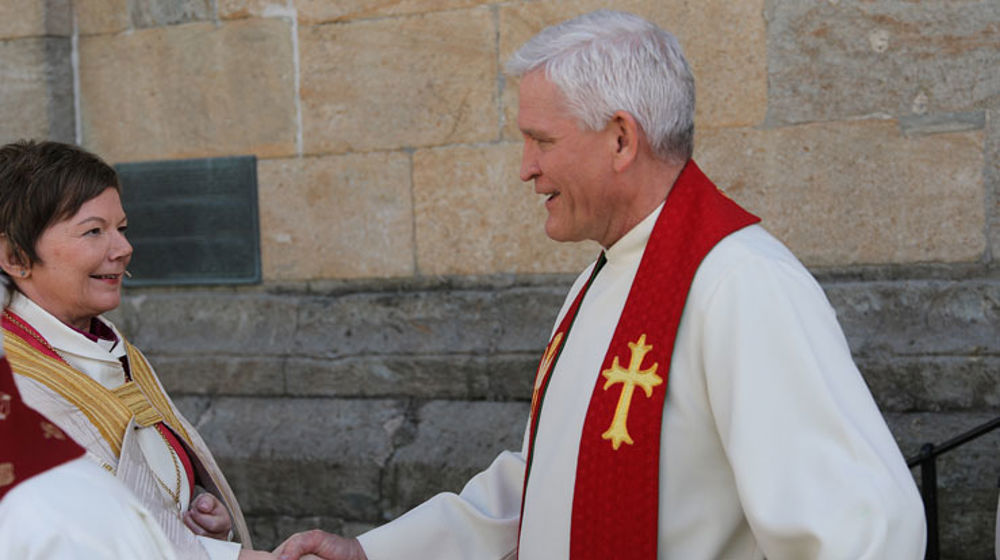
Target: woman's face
[[81, 262]]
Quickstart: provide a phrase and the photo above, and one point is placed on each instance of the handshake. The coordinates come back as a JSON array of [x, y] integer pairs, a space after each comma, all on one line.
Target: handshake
[[311, 545]]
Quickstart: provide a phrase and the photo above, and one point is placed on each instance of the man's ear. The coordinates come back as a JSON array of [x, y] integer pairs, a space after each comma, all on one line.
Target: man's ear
[[626, 130], [11, 261]]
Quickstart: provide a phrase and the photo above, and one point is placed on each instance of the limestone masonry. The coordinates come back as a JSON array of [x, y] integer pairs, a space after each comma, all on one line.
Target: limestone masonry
[[408, 286]]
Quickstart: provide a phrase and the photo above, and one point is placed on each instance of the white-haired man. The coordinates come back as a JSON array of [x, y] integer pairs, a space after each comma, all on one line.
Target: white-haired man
[[697, 398]]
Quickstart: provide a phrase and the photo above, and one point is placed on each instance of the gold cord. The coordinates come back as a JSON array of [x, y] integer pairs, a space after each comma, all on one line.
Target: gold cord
[[30, 331], [175, 494]]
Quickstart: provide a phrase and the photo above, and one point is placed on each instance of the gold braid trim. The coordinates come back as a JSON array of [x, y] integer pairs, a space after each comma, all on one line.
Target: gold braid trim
[[109, 411], [143, 374], [108, 414]]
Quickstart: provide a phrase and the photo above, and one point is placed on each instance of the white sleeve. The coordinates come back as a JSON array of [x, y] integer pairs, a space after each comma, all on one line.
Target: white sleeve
[[76, 511], [479, 523], [818, 473], [219, 550]]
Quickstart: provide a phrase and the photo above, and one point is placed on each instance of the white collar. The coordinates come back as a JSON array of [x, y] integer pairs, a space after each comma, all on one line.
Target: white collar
[[635, 240], [62, 337]]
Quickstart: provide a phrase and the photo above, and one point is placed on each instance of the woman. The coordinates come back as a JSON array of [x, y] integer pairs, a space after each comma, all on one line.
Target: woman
[[64, 253]]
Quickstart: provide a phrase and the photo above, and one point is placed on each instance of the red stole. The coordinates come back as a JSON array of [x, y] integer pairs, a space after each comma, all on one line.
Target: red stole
[[616, 498], [29, 443]]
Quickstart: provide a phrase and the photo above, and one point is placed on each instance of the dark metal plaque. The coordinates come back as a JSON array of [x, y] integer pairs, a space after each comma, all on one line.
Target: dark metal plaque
[[192, 221]]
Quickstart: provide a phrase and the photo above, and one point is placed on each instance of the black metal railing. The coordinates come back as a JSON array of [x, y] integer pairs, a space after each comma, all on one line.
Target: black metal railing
[[927, 461]]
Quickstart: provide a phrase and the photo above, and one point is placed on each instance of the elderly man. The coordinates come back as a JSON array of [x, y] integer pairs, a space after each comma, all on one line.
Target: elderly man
[[697, 398]]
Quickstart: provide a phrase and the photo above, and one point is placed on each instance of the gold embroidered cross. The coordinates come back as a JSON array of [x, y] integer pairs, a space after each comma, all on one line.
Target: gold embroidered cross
[[543, 368], [629, 378]]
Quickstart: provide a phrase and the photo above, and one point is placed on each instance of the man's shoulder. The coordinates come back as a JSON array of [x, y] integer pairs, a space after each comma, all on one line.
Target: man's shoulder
[[752, 243], [750, 254]]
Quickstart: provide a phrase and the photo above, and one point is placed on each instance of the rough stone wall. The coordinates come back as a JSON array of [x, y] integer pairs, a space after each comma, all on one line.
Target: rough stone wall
[[408, 286]]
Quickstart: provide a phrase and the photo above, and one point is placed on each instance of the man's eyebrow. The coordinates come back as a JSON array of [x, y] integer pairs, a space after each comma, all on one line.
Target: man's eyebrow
[[534, 133]]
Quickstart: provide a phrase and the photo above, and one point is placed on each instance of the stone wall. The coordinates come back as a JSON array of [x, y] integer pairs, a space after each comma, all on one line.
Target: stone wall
[[408, 285]]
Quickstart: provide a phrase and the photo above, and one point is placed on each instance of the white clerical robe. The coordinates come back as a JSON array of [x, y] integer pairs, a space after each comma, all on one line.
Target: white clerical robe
[[771, 446], [144, 451], [78, 511]]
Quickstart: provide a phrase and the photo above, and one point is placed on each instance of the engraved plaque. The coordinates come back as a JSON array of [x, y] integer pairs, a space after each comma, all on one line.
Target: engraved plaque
[[192, 221]]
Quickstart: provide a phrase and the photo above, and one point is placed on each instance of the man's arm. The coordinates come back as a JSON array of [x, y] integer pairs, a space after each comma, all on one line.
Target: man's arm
[[818, 472], [324, 545], [480, 522]]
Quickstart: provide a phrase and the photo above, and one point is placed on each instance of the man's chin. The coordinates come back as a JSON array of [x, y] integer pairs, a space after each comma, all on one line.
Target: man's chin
[[555, 234]]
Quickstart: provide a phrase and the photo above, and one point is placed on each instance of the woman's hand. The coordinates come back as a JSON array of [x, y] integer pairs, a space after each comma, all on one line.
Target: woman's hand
[[208, 517]]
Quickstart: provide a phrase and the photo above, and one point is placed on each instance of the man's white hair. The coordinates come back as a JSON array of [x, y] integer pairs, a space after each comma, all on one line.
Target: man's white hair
[[607, 61]]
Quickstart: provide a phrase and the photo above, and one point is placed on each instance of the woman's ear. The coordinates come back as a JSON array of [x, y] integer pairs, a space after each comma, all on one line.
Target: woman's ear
[[627, 134], [11, 261]]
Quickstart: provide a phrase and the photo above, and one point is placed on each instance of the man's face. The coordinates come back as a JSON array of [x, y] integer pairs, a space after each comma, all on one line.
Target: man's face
[[570, 166]]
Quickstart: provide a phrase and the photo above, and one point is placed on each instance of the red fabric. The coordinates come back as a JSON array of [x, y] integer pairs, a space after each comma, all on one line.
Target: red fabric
[[23, 330], [616, 498], [181, 453], [549, 358], [29, 444]]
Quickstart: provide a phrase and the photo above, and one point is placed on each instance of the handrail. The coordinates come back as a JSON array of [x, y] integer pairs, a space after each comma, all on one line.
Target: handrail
[[927, 461]]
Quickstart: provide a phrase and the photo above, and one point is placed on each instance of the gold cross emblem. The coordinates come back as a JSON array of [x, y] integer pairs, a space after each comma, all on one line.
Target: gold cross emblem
[[7, 474], [543, 368], [50, 431], [629, 378]]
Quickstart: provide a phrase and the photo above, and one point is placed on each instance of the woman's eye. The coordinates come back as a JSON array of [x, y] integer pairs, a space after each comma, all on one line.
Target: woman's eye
[[122, 229], [94, 231]]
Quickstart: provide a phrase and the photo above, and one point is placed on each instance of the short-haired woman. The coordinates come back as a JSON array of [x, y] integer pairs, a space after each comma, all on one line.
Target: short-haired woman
[[64, 253]]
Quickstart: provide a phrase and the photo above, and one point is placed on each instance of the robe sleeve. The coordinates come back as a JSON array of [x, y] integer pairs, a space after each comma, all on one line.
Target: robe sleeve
[[220, 550], [76, 511], [480, 522], [818, 473]]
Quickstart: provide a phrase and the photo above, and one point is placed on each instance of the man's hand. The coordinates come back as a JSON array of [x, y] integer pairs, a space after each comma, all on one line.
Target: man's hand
[[324, 545], [264, 555], [208, 517], [255, 555]]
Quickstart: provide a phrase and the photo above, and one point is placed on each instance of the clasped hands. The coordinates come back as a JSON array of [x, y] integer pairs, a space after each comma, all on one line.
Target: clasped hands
[[311, 545], [208, 517]]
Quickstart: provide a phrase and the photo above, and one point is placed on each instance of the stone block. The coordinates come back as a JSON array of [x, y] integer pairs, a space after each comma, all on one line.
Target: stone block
[[919, 319], [725, 44], [396, 323], [966, 477], [285, 456], [210, 323], [504, 377], [453, 442], [400, 82], [101, 16], [475, 216], [993, 181], [239, 9], [214, 374], [930, 383], [834, 60], [856, 192], [153, 13], [336, 217], [36, 89], [35, 18], [323, 11], [480, 322], [969, 465], [193, 90]]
